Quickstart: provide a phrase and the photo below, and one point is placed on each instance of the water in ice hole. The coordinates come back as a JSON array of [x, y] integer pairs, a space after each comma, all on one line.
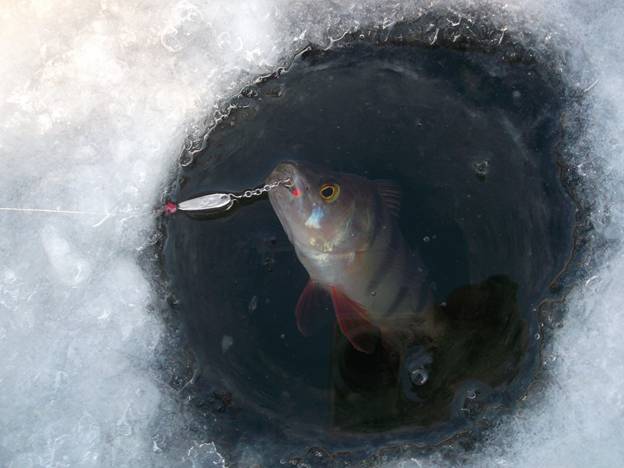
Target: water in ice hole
[[482, 204]]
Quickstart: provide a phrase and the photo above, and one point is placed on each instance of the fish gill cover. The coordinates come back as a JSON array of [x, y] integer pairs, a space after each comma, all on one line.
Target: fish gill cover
[[96, 100]]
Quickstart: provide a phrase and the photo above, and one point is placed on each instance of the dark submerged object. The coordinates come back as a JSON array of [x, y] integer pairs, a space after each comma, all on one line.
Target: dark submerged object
[[485, 342], [472, 151]]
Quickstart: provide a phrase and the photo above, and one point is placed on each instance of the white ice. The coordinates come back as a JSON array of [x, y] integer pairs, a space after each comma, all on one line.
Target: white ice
[[96, 101]]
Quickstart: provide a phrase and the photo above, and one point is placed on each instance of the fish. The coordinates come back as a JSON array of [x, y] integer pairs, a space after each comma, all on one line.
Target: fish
[[345, 233]]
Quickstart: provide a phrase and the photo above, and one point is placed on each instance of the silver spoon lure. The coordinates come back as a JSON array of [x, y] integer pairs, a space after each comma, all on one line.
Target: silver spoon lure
[[218, 202]]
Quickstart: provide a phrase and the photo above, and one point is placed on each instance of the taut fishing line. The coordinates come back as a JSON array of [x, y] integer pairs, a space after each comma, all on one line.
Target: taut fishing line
[[211, 203]]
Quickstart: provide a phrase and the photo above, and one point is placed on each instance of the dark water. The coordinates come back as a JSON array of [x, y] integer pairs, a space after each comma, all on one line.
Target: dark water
[[470, 141]]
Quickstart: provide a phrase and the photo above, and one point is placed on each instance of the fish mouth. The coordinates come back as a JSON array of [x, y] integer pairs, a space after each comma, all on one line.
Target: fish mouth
[[285, 172]]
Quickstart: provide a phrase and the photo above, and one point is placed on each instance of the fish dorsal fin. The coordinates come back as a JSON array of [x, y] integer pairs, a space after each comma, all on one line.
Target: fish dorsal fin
[[313, 309], [354, 321], [391, 194]]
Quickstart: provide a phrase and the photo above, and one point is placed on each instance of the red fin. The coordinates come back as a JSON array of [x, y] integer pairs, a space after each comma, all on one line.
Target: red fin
[[391, 194], [313, 308], [354, 322]]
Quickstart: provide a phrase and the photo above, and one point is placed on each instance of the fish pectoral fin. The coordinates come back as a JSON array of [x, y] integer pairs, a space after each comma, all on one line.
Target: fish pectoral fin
[[355, 322], [313, 308], [391, 194]]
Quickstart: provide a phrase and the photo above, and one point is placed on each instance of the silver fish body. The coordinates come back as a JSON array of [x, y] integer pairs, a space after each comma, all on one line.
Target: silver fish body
[[345, 234]]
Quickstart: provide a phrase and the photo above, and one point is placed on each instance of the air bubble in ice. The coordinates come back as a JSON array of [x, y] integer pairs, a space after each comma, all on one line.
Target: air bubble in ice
[[419, 376], [415, 365], [224, 40]]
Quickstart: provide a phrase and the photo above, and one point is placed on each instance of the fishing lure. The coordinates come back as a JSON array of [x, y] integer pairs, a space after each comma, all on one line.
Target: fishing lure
[[218, 202]]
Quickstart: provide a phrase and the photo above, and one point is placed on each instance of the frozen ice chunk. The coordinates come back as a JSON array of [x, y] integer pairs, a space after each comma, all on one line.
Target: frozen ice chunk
[[69, 265], [129, 284], [203, 456], [184, 23]]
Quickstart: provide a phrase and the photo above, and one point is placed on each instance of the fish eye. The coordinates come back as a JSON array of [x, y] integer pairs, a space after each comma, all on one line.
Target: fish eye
[[329, 191]]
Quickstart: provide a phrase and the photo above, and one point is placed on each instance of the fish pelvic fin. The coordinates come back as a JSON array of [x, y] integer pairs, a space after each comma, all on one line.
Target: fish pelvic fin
[[354, 321], [313, 308], [391, 195]]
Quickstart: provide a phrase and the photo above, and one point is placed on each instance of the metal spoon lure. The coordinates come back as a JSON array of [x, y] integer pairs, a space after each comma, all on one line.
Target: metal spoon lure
[[219, 202]]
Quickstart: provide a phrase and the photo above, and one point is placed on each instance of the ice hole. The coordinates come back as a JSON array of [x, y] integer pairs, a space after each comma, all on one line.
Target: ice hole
[[474, 136]]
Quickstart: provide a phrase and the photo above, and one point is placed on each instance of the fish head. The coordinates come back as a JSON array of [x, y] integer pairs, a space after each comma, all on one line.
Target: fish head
[[323, 210]]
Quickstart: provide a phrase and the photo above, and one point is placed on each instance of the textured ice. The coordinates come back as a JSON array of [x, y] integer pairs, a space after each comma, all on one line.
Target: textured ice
[[184, 23], [97, 99]]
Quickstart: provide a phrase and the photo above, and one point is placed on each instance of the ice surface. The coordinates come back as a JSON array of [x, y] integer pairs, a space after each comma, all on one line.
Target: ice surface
[[96, 101]]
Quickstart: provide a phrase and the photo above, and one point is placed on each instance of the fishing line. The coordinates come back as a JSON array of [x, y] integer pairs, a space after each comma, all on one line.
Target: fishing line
[[128, 214], [213, 202], [40, 210]]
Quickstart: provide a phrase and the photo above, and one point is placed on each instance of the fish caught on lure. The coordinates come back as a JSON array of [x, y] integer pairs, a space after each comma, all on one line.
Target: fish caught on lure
[[345, 234]]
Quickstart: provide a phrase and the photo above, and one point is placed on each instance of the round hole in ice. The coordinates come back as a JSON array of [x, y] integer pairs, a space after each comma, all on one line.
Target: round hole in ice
[[474, 140]]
